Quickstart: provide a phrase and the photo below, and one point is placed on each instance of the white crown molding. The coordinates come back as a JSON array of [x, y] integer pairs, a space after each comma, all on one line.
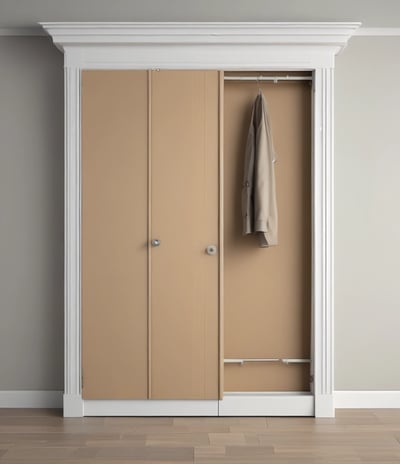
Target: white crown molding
[[271, 33], [188, 45], [33, 31], [31, 399]]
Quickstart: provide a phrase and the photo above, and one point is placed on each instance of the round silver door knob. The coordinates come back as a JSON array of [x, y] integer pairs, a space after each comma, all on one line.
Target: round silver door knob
[[211, 250], [155, 242]]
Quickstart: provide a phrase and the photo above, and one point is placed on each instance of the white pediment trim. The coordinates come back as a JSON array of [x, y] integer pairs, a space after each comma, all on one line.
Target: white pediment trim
[[184, 44], [272, 33]]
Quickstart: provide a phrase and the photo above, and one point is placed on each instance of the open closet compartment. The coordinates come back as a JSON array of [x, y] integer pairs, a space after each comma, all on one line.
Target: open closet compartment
[[267, 291], [238, 47]]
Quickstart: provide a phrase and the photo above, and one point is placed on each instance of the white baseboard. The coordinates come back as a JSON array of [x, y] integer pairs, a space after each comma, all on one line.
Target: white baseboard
[[150, 408], [267, 404], [31, 399], [367, 399], [342, 399]]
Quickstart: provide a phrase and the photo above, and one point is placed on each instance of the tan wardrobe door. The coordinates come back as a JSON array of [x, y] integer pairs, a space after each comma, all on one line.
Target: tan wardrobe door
[[268, 290], [184, 217], [114, 234]]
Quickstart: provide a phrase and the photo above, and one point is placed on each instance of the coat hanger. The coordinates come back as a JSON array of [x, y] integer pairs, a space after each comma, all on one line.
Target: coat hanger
[[259, 86]]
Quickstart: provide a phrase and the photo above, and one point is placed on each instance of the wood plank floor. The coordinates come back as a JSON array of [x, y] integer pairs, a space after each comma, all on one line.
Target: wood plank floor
[[354, 436]]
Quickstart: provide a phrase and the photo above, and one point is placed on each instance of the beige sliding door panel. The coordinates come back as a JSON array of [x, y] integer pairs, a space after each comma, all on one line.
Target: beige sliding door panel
[[114, 234], [184, 217], [267, 292]]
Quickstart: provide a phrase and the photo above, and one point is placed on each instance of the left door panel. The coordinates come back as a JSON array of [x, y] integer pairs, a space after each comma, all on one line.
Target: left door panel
[[114, 234]]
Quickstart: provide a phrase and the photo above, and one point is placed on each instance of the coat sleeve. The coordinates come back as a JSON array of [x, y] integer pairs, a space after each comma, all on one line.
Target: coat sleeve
[[248, 181]]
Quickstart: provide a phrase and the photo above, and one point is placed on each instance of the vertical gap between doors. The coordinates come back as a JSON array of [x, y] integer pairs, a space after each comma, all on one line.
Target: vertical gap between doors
[[149, 302]]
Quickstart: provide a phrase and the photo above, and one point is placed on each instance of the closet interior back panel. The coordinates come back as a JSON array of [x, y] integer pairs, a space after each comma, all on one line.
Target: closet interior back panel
[[114, 234], [267, 291]]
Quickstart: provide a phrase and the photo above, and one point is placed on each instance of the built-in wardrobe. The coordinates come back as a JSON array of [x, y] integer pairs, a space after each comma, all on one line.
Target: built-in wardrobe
[[177, 304], [169, 308]]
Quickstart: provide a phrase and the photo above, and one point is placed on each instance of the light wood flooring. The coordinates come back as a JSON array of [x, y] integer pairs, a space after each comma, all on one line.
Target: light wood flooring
[[354, 436]]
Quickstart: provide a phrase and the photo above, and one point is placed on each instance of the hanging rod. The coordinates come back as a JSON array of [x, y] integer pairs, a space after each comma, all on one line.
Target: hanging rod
[[255, 360], [274, 79]]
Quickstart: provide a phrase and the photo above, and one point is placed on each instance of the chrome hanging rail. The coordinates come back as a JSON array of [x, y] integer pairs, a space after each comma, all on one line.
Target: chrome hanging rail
[[263, 360], [274, 79]]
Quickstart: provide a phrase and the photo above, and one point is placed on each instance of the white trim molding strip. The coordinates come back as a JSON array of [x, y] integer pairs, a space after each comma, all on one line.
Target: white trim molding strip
[[31, 399], [37, 31], [367, 399], [233, 46]]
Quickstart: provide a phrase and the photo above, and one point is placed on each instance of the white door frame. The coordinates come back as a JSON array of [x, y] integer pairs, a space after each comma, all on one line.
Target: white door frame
[[224, 46]]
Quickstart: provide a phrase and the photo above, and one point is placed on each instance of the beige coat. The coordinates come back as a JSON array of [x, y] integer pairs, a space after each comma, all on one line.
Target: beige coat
[[259, 208]]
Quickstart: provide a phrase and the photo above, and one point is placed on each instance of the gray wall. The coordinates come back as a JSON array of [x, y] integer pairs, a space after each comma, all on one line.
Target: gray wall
[[366, 213], [370, 12], [31, 219]]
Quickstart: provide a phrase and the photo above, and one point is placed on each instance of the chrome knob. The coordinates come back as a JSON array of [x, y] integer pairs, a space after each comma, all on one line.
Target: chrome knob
[[155, 242], [211, 250]]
